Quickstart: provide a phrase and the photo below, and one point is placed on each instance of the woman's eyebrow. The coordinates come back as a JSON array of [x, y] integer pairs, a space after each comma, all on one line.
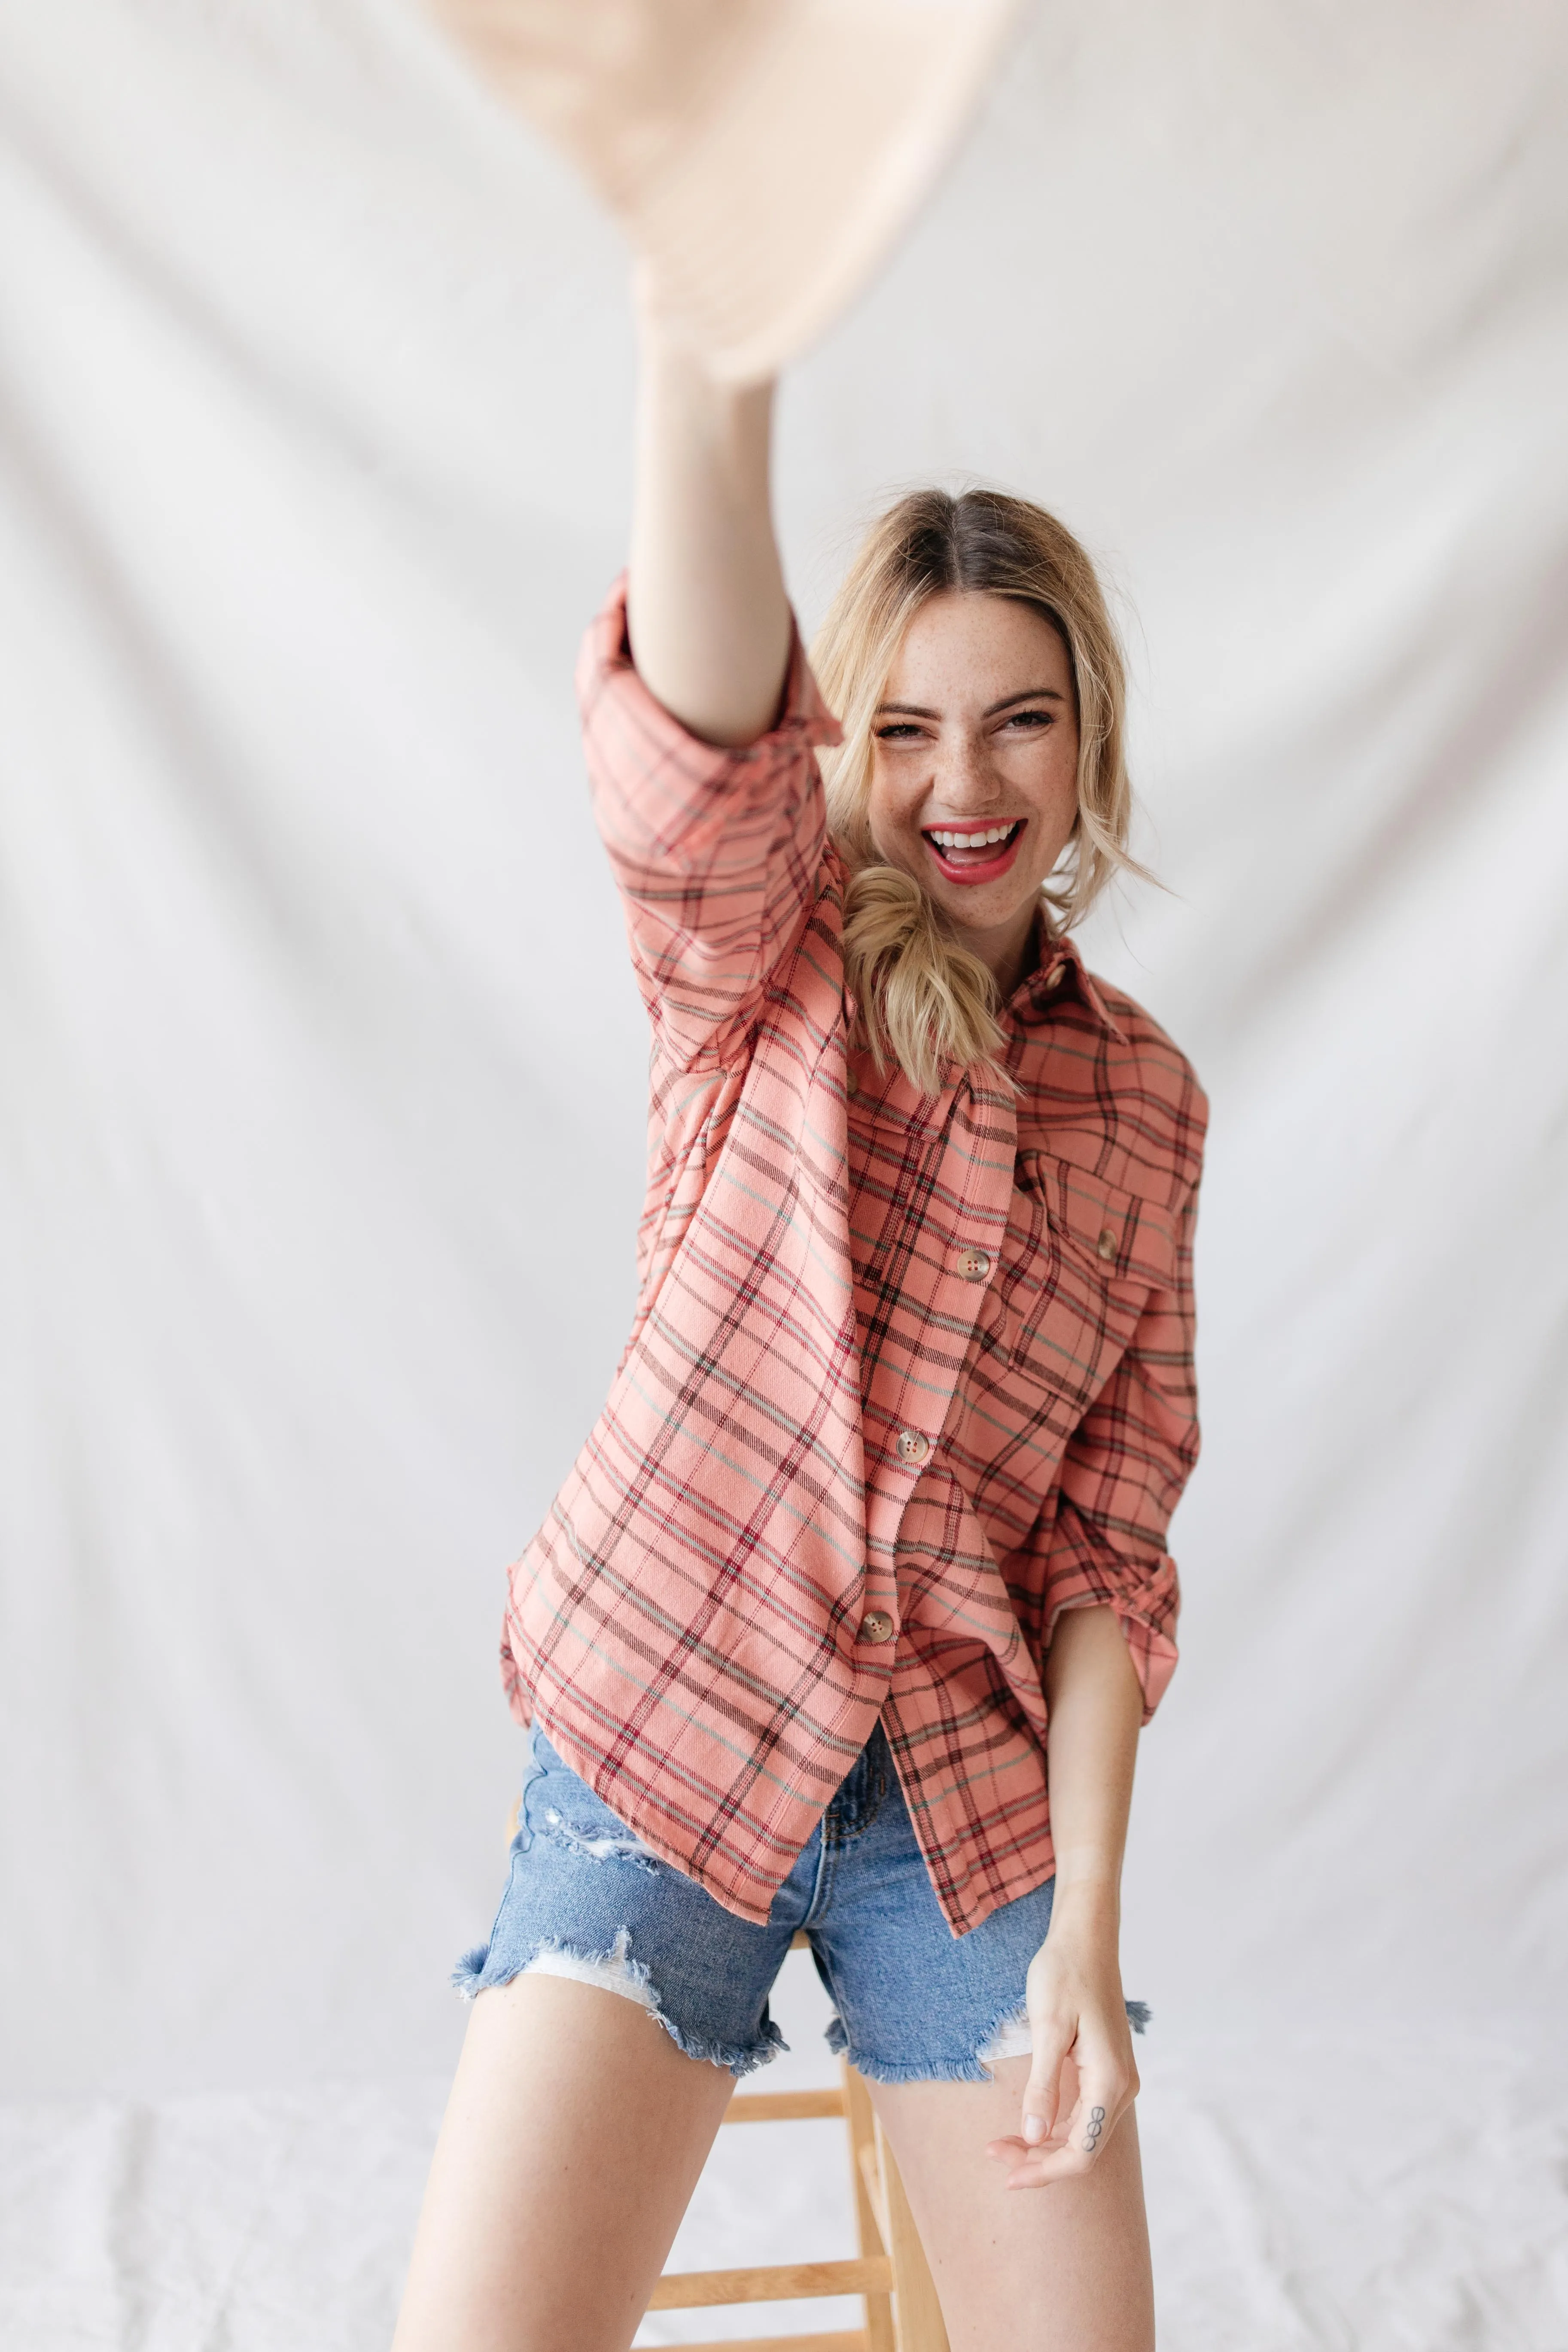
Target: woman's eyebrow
[[1030, 694]]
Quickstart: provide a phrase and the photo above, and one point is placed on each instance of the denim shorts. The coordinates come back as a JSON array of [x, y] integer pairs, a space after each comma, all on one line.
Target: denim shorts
[[914, 2002]]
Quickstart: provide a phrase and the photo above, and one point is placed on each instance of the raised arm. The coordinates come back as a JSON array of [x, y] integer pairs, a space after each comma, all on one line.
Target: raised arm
[[708, 618]]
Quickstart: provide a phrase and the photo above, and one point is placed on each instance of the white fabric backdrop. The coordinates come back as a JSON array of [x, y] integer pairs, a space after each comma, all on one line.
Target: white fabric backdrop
[[323, 1119]]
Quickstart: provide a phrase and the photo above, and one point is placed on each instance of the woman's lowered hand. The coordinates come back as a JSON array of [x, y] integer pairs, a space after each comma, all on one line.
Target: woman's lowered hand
[[1082, 2078]]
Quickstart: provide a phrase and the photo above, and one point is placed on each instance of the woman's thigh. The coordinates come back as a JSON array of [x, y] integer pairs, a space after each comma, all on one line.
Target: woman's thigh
[[572, 2143], [616, 2002], [1059, 2269]]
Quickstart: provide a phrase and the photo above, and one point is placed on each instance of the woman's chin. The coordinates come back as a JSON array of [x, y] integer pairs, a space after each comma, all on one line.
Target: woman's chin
[[990, 909]]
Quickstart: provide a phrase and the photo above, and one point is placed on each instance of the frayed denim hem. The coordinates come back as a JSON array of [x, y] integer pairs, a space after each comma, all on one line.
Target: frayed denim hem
[[977, 2069], [916, 2070], [473, 1976]]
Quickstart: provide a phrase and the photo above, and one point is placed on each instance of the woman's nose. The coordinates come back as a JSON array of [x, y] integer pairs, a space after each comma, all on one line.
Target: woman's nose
[[966, 782]]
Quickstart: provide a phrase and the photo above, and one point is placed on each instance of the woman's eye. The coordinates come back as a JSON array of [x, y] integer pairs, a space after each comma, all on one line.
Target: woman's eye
[[1030, 719], [898, 732]]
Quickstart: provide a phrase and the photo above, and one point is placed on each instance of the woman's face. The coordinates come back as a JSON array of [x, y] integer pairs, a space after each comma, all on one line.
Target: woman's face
[[974, 766]]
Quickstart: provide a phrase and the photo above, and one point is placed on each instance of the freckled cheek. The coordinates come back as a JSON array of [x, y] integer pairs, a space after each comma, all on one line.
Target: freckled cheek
[[1056, 804], [893, 820], [1054, 832]]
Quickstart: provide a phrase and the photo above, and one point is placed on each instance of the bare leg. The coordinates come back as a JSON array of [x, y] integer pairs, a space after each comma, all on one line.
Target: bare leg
[[1063, 2268], [572, 2143]]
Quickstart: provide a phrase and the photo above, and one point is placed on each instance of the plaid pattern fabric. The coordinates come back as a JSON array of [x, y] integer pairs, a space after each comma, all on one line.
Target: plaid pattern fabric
[[923, 1361]]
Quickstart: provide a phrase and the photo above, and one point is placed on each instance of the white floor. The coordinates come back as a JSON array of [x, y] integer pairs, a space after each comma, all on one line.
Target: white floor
[[1310, 2194]]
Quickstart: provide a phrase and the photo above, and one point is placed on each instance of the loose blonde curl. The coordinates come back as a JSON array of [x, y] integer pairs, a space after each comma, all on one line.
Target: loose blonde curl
[[921, 999]]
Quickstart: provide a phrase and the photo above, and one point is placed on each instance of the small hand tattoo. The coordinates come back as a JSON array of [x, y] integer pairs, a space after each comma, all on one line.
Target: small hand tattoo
[[1096, 2126]]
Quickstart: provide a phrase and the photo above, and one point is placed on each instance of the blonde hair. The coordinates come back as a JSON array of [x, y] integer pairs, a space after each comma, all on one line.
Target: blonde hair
[[923, 999]]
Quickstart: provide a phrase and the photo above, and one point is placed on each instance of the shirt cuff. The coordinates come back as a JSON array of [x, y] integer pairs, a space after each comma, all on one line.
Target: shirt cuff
[[605, 666]]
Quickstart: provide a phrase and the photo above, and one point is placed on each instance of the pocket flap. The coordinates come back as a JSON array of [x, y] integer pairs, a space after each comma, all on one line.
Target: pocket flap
[[1129, 1238]]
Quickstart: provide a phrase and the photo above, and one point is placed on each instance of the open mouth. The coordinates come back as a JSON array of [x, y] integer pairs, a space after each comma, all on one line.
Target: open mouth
[[974, 853]]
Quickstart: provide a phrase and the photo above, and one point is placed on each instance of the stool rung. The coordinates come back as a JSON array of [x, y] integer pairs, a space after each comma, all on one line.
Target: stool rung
[[782, 2106], [783, 2283]]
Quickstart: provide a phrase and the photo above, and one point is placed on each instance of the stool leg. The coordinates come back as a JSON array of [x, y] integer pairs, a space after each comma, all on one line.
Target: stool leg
[[862, 2128], [921, 2325]]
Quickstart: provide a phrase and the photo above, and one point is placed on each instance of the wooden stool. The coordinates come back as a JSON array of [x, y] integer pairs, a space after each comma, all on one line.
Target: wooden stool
[[902, 2313]]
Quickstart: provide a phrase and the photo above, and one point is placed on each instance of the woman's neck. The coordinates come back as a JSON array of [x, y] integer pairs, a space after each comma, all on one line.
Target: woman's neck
[[1011, 952]]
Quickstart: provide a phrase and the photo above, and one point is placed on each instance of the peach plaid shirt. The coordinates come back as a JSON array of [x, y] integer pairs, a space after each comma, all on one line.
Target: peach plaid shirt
[[909, 1375]]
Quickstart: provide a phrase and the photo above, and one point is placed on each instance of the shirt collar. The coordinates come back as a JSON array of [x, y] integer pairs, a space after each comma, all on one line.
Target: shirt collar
[[1059, 974]]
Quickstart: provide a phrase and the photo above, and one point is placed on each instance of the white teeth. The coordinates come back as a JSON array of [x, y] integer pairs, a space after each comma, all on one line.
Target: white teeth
[[948, 840]]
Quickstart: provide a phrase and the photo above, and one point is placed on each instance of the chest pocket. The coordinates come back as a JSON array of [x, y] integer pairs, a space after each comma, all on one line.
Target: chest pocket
[[1078, 1261]]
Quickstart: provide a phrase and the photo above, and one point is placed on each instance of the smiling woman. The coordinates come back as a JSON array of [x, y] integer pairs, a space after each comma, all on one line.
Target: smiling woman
[[980, 796], [848, 1616]]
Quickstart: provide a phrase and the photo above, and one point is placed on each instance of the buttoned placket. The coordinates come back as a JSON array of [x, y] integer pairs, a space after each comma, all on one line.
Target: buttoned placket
[[902, 1441]]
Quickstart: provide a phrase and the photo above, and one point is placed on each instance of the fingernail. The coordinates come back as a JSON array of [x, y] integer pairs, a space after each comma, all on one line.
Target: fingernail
[[1034, 2128]]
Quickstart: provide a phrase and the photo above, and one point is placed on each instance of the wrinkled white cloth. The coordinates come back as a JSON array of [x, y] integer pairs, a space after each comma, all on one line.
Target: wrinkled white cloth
[[314, 435]]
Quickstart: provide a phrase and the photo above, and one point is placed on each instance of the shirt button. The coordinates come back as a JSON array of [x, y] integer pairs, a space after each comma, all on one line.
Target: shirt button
[[912, 1445], [877, 1626], [851, 1084], [1107, 1245], [1055, 979], [973, 1265]]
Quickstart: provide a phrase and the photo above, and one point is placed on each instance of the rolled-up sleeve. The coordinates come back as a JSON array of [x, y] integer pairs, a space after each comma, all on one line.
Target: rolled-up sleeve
[[1122, 1475], [717, 852]]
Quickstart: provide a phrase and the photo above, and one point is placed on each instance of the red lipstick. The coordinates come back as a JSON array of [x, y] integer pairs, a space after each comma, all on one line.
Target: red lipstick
[[971, 864]]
